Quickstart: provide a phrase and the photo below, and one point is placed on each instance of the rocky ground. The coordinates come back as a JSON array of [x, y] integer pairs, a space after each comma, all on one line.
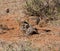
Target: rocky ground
[[13, 39], [45, 41]]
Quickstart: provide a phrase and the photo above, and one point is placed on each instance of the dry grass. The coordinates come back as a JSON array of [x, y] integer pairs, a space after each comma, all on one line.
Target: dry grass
[[26, 46], [42, 7]]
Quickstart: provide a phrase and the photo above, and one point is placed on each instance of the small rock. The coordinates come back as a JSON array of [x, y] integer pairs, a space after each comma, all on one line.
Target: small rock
[[7, 10], [31, 31], [24, 26], [28, 29]]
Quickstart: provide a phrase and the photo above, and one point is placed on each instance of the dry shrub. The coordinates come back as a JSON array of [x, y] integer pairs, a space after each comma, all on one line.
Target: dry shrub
[[42, 8]]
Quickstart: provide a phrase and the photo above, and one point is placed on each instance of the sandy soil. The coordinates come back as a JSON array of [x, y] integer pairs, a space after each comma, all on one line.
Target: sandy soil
[[42, 39]]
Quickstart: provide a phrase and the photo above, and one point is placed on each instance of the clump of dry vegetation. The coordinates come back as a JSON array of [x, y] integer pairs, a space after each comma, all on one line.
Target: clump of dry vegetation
[[42, 8], [27, 46], [17, 46]]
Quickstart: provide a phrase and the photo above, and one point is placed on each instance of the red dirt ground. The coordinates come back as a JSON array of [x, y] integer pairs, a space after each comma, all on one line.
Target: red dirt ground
[[43, 38]]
